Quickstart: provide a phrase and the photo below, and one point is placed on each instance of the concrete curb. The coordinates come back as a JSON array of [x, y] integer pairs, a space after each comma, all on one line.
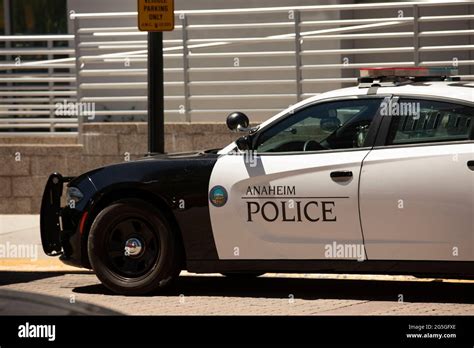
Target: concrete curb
[[27, 265]]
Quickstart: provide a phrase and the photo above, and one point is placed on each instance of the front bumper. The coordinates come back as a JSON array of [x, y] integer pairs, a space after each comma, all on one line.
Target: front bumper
[[59, 226], [50, 219]]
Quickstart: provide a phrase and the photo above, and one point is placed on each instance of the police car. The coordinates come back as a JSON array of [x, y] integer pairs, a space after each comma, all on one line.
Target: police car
[[376, 178]]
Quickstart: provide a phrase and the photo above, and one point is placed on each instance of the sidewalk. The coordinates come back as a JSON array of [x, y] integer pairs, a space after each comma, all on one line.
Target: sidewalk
[[20, 229], [20, 235]]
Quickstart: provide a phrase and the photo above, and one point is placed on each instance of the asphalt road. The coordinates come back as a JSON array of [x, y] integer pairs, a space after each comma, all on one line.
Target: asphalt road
[[272, 294]]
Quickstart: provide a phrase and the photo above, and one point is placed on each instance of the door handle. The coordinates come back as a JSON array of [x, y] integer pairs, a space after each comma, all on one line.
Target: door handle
[[470, 165], [341, 174]]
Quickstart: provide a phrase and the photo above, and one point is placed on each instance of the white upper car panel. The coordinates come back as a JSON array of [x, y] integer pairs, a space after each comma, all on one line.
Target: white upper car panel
[[460, 90], [451, 90]]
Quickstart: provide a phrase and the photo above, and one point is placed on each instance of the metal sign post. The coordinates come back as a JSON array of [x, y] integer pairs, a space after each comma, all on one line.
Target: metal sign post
[[156, 16], [156, 105]]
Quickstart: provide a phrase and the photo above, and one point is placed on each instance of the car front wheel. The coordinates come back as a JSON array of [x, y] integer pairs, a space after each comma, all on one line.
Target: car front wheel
[[132, 248]]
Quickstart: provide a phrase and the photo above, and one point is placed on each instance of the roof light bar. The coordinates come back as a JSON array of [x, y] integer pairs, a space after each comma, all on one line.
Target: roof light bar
[[408, 72]]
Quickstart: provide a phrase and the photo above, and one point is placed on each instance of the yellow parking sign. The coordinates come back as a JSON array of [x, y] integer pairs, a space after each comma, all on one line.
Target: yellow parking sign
[[156, 15]]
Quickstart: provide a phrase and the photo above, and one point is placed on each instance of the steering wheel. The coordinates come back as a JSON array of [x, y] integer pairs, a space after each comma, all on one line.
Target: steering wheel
[[312, 145]]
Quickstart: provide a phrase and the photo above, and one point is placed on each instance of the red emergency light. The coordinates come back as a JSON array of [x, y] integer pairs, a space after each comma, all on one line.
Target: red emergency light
[[408, 72]]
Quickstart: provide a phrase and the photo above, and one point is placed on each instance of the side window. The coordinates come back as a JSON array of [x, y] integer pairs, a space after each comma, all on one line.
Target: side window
[[333, 125], [421, 121]]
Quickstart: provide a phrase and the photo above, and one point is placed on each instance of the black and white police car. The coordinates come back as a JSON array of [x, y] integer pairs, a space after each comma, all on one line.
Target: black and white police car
[[377, 178]]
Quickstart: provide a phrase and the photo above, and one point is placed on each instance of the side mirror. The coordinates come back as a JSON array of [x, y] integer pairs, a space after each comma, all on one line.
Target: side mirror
[[238, 121]]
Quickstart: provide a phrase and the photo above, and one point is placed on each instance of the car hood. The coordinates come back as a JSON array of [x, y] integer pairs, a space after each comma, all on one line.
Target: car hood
[[150, 167], [179, 155]]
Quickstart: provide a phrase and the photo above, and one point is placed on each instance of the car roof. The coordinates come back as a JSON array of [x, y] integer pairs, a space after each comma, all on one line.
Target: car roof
[[456, 90]]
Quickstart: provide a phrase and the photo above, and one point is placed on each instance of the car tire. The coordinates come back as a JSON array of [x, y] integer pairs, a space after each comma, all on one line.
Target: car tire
[[238, 275], [150, 258]]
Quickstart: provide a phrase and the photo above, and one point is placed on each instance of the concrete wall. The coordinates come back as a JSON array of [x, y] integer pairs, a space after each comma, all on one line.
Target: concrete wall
[[25, 166]]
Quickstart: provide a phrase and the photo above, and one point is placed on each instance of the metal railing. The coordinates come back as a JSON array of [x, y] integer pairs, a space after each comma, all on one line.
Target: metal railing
[[36, 73], [257, 60], [261, 60]]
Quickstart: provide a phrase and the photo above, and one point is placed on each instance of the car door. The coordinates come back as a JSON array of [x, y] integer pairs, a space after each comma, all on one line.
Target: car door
[[296, 195], [417, 188]]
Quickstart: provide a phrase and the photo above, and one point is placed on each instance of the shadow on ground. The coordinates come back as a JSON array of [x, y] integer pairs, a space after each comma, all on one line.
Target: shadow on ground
[[312, 289], [276, 287]]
